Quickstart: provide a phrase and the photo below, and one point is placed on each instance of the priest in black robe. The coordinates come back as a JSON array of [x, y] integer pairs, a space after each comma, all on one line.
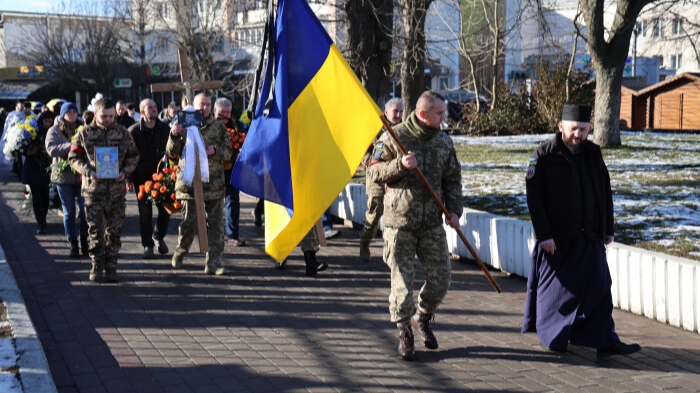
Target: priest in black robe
[[570, 203]]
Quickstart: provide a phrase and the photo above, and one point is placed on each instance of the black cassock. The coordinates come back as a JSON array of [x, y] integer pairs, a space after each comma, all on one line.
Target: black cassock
[[569, 298]]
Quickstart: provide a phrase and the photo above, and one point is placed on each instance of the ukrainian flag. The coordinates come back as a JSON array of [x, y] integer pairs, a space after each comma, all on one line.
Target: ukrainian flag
[[319, 123]]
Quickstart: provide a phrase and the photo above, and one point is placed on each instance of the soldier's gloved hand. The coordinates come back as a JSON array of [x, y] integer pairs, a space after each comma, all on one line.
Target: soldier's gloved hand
[[211, 150], [409, 161], [93, 176], [549, 246], [609, 239], [453, 221]]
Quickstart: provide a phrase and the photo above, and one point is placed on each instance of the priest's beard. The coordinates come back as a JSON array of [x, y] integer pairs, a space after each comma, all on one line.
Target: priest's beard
[[573, 148]]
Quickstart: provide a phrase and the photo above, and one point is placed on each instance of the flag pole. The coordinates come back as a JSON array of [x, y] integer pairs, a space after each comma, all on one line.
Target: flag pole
[[442, 206]]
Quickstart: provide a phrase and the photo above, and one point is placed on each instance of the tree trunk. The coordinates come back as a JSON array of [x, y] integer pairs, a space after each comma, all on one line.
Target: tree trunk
[[413, 56], [495, 56], [609, 48], [370, 26]]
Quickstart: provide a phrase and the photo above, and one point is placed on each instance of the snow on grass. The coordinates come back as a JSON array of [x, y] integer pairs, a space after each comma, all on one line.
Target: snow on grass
[[655, 179]]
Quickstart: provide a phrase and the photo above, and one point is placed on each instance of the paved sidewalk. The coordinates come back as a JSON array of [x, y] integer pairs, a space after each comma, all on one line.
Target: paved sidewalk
[[263, 330]]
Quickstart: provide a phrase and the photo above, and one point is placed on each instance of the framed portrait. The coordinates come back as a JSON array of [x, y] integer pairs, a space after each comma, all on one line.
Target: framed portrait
[[107, 166]]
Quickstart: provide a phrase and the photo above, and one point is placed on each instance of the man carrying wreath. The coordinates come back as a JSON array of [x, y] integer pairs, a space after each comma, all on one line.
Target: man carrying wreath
[[151, 136]]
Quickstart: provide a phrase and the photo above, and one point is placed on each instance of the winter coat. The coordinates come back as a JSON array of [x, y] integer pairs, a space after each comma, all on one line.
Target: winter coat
[[214, 134], [151, 145], [58, 146], [34, 170]]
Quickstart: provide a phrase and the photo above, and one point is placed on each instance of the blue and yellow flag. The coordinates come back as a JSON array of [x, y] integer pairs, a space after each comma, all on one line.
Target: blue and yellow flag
[[309, 135]]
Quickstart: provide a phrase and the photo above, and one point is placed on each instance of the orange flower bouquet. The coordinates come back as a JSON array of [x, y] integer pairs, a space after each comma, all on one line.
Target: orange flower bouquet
[[237, 139], [162, 189]]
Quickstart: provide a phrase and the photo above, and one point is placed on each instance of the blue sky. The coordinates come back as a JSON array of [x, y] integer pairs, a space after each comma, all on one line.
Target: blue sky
[[31, 5]]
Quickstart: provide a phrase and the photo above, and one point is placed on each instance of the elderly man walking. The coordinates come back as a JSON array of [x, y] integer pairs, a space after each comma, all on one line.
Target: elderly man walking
[[393, 110], [150, 136], [217, 149]]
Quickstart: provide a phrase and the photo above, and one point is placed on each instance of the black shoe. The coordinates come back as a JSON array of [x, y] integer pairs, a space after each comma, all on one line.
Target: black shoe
[[162, 247], [40, 231], [619, 348], [112, 276], [406, 348], [280, 266], [148, 252], [74, 251], [312, 265]]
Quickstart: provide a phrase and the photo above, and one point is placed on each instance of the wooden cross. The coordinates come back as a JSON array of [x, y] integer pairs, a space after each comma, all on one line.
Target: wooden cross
[[186, 87]]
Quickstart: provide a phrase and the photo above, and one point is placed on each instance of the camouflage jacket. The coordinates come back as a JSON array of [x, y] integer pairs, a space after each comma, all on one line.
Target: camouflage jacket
[[82, 159], [214, 134], [407, 203], [372, 188]]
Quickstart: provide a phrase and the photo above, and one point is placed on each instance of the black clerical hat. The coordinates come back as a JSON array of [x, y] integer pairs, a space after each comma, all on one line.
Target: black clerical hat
[[579, 113]]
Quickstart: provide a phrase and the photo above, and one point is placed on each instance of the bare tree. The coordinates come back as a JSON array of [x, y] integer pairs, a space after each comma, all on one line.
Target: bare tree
[[609, 49], [369, 44], [79, 49]]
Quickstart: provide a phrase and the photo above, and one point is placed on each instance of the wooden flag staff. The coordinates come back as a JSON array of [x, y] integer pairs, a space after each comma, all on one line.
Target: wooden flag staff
[[442, 206]]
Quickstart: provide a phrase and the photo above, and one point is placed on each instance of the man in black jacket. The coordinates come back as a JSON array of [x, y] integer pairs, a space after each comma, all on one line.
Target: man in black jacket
[[150, 136], [123, 117], [571, 207]]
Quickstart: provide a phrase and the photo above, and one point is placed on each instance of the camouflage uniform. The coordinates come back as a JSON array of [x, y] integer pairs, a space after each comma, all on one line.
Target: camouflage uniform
[[412, 219], [310, 241], [375, 206], [214, 134], [105, 200]]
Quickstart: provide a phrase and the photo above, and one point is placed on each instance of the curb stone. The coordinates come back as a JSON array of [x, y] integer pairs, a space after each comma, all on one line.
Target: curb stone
[[31, 360]]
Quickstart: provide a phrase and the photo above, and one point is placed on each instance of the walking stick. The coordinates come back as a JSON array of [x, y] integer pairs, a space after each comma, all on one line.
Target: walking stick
[[442, 206]]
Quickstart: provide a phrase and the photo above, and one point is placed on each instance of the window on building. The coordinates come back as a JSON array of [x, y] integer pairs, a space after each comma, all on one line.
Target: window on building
[[645, 28], [677, 27], [162, 46], [165, 10], [658, 29], [676, 61], [443, 83]]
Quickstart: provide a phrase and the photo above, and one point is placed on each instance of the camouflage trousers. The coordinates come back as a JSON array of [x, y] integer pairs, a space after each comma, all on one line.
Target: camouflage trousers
[[375, 209], [310, 241], [400, 249], [105, 219], [214, 209]]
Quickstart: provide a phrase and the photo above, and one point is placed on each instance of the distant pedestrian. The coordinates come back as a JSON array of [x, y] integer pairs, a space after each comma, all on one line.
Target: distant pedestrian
[[11, 119], [393, 110], [58, 145], [168, 114], [571, 207], [412, 219], [213, 149], [133, 112], [105, 199], [35, 175], [123, 117], [88, 116], [236, 132], [150, 136]]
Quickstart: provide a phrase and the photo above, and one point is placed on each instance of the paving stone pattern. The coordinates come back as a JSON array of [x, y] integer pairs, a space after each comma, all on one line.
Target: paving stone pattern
[[264, 330]]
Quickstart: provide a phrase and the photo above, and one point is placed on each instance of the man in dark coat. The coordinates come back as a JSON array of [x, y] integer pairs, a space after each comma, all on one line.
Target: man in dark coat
[[570, 203], [150, 136], [123, 117]]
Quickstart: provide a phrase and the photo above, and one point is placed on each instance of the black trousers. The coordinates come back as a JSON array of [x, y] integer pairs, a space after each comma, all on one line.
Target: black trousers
[[148, 232], [40, 203]]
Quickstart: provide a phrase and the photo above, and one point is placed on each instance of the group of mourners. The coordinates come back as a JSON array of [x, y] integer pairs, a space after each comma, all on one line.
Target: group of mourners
[[568, 194]]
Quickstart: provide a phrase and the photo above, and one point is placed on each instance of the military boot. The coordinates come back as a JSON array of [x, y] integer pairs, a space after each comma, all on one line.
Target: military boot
[[74, 251], [96, 272], [177, 260], [406, 348], [421, 322], [364, 250], [84, 245], [312, 265], [215, 268]]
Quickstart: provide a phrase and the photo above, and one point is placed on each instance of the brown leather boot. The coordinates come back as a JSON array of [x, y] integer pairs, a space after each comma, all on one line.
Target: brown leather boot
[[421, 322], [406, 348]]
